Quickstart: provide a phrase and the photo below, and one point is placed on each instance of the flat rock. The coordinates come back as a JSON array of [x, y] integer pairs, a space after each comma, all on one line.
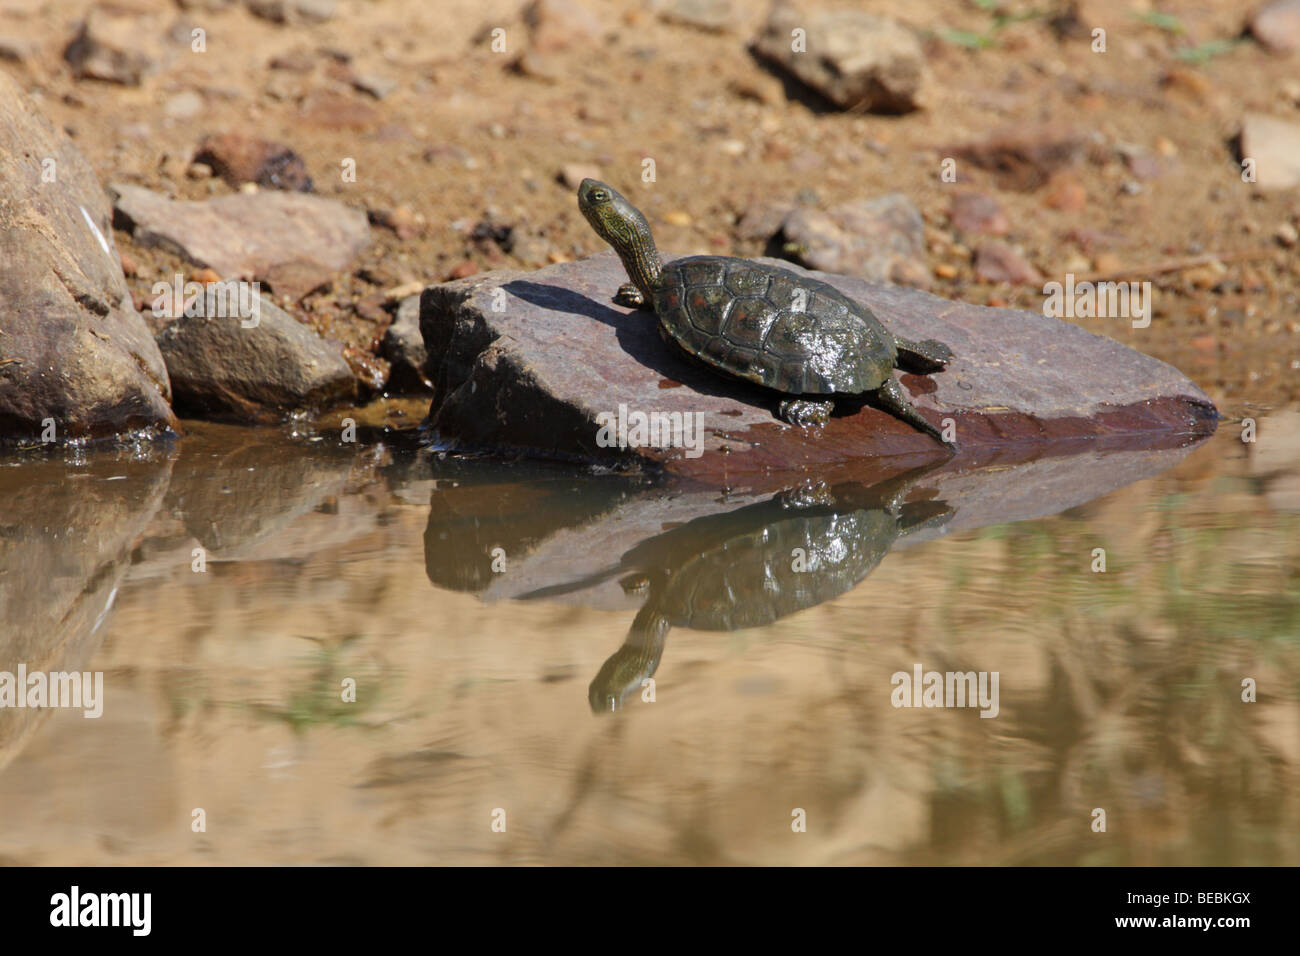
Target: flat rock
[[1276, 25], [532, 374], [245, 235], [855, 60], [1274, 145], [250, 364], [72, 346]]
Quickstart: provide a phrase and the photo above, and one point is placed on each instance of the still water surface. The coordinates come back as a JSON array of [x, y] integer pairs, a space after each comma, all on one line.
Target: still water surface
[[500, 624]]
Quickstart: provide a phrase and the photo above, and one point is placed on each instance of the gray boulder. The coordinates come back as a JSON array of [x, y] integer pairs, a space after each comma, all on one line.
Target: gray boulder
[[73, 349], [236, 355]]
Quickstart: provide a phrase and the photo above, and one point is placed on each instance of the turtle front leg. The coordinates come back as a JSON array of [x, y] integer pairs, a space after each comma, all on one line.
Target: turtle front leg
[[891, 396], [629, 296], [805, 411]]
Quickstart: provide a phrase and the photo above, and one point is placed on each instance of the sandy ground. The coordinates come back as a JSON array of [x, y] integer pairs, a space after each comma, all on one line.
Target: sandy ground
[[463, 137]]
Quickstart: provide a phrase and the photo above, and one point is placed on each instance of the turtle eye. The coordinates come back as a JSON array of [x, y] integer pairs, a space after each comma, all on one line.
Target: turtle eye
[[600, 196]]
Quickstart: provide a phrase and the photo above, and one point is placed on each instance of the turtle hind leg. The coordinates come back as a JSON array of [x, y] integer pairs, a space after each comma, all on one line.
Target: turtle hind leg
[[922, 358], [805, 411], [891, 396], [630, 296]]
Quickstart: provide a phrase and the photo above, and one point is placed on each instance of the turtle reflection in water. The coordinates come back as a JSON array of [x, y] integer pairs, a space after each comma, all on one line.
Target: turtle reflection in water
[[736, 570]]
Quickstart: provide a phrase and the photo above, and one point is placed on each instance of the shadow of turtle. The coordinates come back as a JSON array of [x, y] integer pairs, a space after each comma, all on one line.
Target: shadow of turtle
[[637, 334]]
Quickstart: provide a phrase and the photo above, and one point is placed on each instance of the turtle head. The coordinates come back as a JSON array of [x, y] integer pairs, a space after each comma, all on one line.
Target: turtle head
[[621, 224]]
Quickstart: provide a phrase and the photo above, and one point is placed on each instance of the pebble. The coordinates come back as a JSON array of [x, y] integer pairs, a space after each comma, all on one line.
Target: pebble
[[184, 105], [995, 261], [978, 214], [1276, 26], [572, 174], [1286, 235]]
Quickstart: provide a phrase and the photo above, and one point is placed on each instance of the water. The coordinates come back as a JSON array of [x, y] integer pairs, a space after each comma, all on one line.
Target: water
[[498, 622]]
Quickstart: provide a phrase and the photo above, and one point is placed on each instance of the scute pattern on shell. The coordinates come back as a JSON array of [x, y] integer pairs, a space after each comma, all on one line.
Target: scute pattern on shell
[[741, 317]]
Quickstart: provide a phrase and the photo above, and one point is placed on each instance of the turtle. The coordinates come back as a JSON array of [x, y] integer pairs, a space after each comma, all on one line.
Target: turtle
[[789, 333]]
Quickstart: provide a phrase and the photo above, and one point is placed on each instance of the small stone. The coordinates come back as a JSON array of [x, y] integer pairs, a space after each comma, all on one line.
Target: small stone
[[370, 370], [198, 171], [373, 84], [1188, 82], [401, 221], [238, 159], [534, 65], [978, 214], [1274, 145], [556, 25], [572, 174], [1024, 158], [714, 16], [463, 270], [995, 261], [1276, 26], [677, 217], [1108, 263], [119, 45], [1286, 235], [205, 276], [184, 105], [945, 270], [403, 347], [762, 220], [759, 87], [15, 50], [129, 265], [293, 11], [860, 61], [330, 109], [1066, 193], [295, 280]]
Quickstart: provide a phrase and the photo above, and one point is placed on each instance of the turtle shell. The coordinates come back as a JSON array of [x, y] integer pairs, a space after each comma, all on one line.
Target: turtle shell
[[744, 318]]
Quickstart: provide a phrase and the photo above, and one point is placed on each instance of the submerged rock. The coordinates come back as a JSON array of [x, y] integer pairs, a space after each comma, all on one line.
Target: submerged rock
[[73, 349], [246, 235], [248, 360], [544, 363], [853, 59]]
